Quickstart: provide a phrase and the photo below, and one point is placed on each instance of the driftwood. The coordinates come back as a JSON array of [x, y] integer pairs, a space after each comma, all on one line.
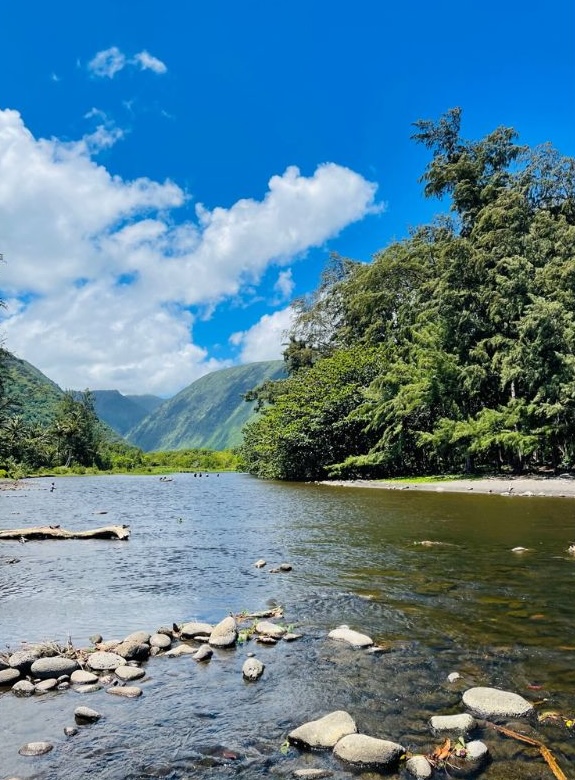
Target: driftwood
[[55, 532]]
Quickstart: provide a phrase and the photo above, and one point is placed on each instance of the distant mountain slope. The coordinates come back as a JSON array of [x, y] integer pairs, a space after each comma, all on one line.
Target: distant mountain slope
[[147, 402], [29, 392], [121, 412], [210, 413]]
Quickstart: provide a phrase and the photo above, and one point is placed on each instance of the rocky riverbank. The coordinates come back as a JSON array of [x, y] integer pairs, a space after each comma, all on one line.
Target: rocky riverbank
[[464, 741]]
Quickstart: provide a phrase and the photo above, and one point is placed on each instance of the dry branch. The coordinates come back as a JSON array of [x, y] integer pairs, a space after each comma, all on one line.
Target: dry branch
[[55, 532]]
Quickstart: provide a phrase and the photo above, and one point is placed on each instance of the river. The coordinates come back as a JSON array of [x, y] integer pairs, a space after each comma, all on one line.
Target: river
[[467, 605]]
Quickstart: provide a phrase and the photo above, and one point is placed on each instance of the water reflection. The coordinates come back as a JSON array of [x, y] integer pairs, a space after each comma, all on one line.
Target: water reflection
[[467, 604]]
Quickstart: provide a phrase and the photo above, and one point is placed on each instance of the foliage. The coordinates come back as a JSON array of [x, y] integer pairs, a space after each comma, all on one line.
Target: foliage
[[472, 320]]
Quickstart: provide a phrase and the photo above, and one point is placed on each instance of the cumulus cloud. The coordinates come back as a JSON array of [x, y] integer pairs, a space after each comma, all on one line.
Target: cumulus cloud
[[284, 285], [102, 279], [108, 62], [266, 339]]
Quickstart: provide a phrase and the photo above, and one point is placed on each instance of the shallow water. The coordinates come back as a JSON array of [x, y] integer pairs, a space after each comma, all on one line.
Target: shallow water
[[467, 605]]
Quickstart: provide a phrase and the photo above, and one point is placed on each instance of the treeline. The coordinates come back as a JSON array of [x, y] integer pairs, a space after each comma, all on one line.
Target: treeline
[[453, 350], [76, 442]]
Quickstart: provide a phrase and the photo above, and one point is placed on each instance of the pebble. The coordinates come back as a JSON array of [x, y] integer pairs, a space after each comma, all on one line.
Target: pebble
[[88, 688]]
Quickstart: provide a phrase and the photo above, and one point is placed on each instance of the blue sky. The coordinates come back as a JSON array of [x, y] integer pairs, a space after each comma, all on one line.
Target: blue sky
[[173, 174]]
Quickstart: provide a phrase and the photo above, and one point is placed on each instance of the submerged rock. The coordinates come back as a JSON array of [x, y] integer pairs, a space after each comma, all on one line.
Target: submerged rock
[[203, 653], [495, 703], [461, 723], [362, 750], [86, 715], [268, 628], [324, 732], [225, 634], [180, 650], [128, 673], [419, 767], [252, 669], [23, 688], [195, 629], [35, 748], [128, 691], [346, 634]]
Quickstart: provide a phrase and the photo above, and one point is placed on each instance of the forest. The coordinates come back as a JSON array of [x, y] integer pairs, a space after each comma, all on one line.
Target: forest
[[452, 351]]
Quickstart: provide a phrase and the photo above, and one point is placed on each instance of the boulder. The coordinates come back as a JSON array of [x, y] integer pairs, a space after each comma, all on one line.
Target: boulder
[[195, 629], [86, 715], [225, 634], [128, 673], [132, 650], [362, 750], [9, 676], [346, 634], [23, 660], [46, 685], [80, 677], [419, 767], [494, 703], [23, 688], [35, 748], [161, 641], [270, 629], [104, 661], [180, 650], [203, 653], [462, 723], [324, 732], [128, 691], [139, 637], [44, 668], [252, 669]]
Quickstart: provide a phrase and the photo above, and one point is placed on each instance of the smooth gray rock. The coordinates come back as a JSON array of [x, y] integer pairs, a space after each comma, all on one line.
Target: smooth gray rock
[[46, 685], [127, 691], [105, 661], [23, 688], [285, 567], [70, 731], [109, 645], [161, 641], [453, 677], [345, 634], [139, 637], [45, 668], [203, 653], [195, 629], [260, 564], [323, 732], [35, 748], [23, 660], [180, 650], [95, 639], [362, 750], [63, 686], [80, 677], [252, 669], [419, 767], [88, 687], [9, 676], [270, 629], [312, 774], [477, 751], [132, 650], [461, 723], [128, 673], [225, 634], [291, 636], [4, 663], [494, 703], [86, 715]]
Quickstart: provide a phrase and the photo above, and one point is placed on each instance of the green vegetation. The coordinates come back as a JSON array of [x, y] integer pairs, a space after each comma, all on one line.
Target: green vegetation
[[451, 351]]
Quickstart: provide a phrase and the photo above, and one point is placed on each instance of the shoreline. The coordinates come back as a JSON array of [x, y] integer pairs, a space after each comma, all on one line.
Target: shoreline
[[540, 487]]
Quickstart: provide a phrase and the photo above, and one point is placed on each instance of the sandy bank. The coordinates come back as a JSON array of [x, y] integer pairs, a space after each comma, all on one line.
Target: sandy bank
[[556, 487]]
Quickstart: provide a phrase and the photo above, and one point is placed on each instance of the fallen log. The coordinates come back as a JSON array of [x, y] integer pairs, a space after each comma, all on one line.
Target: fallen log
[[55, 532]]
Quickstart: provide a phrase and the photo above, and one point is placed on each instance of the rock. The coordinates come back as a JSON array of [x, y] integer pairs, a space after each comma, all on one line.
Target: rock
[[70, 731], [63, 686], [46, 685], [354, 638], [312, 774], [108, 645], [23, 688], [64, 678], [419, 767], [477, 751], [203, 653], [23, 660], [9, 676], [291, 637], [263, 639], [86, 715], [83, 678], [324, 732], [104, 661], [285, 567], [132, 650], [270, 629], [167, 630], [35, 748], [361, 750], [128, 673], [462, 723], [88, 688], [260, 564], [225, 634], [139, 637], [453, 676], [195, 629], [180, 650], [44, 668], [160, 641], [493, 703], [252, 669], [4, 663], [95, 639], [128, 691]]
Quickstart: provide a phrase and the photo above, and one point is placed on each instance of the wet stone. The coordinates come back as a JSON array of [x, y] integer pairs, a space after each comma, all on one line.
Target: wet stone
[[457, 724], [268, 628], [203, 653], [312, 774], [9, 676], [46, 685], [362, 750], [23, 688], [346, 634], [419, 767], [88, 688], [160, 641], [323, 732], [45, 668], [70, 731], [86, 715], [225, 634], [180, 650], [252, 669], [82, 677], [35, 748], [104, 661], [494, 703], [127, 673], [127, 691]]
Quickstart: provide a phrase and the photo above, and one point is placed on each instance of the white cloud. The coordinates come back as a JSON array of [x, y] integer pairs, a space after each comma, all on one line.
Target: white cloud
[[284, 285], [266, 339], [110, 61], [107, 63], [103, 282], [146, 62]]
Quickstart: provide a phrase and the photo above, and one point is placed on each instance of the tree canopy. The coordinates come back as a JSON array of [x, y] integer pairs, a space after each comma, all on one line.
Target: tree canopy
[[453, 349]]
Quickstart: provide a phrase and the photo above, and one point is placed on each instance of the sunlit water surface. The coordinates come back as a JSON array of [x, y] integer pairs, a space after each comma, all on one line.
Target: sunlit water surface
[[468, 605]]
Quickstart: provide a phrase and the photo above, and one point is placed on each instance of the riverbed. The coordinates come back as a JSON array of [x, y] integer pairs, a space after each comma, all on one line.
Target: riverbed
[[465, 604]]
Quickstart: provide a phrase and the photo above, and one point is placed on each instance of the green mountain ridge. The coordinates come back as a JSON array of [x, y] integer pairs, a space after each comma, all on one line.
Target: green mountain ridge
[[123, 412], [210, 413], [28, 392]]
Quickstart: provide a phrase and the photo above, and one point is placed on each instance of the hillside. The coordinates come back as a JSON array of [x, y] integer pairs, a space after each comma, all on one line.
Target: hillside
[[122, 412], [210, 413], [29, 392]]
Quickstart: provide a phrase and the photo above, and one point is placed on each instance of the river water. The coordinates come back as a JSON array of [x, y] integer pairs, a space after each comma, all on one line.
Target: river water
[[468, 605]]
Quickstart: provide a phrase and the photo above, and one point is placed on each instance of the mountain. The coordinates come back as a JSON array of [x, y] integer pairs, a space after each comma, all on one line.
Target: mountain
[[29, 392], [123, 412], [210, 413]]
